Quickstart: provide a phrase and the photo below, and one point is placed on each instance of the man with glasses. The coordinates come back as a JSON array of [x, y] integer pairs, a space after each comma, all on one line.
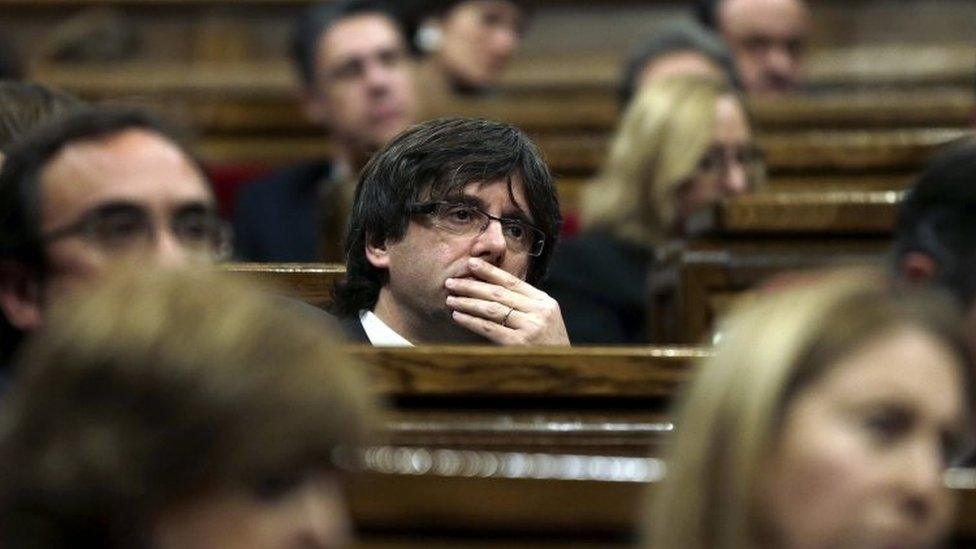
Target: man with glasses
[[452, 226], [358, 84], [97, 187]]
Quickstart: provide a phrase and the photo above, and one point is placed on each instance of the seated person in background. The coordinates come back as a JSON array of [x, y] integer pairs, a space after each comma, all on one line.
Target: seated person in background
[[828, 415], [358, 83], [467, 44], [768, 40], [677, 49], [935, 240], [682, 145], [89, 189], [25, 105], [172, 409], [453, 224]]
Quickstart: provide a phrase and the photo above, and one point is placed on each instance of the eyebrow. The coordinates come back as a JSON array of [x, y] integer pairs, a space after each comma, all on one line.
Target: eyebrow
[[125, 206], [477, 202]]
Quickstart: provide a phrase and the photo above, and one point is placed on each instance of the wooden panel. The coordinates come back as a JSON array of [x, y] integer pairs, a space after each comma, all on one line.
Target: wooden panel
[[620, 431], [882, 152], [309, 282], [509, 372], [531, 501], [263, 97], [837, 212]]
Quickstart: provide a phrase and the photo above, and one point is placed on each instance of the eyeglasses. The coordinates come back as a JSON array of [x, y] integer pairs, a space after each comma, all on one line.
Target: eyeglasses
[[467, 220], [717, 161], [123, 228]]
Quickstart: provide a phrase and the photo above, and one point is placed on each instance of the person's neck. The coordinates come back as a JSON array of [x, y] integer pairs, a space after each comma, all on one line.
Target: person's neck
[[420, 329], [348, 159]]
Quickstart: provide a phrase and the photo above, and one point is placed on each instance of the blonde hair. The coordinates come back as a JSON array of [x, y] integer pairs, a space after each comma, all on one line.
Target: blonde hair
[[155, 387], [661, 139], [772, 348]]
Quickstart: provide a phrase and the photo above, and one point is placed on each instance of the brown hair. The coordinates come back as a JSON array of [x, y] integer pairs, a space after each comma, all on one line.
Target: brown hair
[[26, 105], [156, 387]]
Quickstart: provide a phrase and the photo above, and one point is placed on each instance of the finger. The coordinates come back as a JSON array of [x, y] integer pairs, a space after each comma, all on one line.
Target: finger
[[466, 287], [486, 328], [489, 310], [495, 275]]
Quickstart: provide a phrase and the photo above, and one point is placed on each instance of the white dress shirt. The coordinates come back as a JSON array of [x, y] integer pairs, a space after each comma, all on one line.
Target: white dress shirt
[[379, 334]]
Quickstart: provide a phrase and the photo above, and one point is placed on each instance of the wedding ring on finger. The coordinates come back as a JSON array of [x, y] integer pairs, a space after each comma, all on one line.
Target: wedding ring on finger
[[508, 314]]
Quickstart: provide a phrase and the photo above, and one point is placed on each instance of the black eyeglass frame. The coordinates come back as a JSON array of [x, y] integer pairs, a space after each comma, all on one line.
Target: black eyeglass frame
[[535, 249], [86, 227]]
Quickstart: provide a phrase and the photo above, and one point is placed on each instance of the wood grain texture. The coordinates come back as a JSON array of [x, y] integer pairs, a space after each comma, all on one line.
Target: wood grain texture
[[486, 506], [810, 213], [507, 372], [310, 282]]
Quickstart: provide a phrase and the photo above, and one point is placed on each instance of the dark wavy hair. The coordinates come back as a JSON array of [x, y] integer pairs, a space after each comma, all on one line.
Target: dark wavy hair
[[319, 18], [706, 12], [938, 218], [436, 159]]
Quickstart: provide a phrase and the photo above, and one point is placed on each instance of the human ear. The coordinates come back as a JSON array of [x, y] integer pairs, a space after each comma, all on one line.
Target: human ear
[[377, 254], [20, 296], [918, 268]]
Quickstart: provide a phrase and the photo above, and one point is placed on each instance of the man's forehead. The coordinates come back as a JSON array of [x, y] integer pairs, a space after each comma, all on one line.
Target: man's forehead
[[133, 163], [763, 15], [358, 35]]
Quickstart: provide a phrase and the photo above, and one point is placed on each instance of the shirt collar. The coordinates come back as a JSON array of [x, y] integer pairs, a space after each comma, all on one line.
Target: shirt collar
[[379, 334]]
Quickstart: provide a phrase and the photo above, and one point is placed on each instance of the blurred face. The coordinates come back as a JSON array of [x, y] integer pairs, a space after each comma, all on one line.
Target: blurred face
[[478, 38], [131, 195], [767, 39], [364, 90], [860, 459], [680, 63], [728, 165], [421, 262], [310, 515]]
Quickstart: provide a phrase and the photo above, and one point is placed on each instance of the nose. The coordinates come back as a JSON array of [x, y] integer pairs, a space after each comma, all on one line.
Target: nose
[[321, 519], [490, 245], [377, 76], [168, 251], [505, 42], [922, 483], [781, 63], [736, 180]]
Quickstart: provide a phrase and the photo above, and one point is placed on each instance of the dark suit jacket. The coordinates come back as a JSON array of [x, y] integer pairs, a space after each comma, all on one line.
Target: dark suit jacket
[[276, 219], [353, 330], [601, 284]]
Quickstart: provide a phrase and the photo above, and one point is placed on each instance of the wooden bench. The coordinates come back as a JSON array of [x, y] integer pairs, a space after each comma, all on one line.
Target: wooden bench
[[752, 238], [309, 282], [507, 508], [604, 401], [481, 490]]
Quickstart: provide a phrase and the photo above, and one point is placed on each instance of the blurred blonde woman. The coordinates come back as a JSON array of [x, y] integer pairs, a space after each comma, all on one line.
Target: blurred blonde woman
[[682, 145], [825, 419]]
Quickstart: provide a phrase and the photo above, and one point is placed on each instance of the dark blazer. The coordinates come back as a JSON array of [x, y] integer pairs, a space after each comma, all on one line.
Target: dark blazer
[[276, 219], [353, 330], [601, 284]]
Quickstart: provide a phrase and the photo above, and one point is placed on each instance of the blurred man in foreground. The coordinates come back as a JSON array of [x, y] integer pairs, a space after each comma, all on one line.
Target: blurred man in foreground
[[178, 410], [88, 190]]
